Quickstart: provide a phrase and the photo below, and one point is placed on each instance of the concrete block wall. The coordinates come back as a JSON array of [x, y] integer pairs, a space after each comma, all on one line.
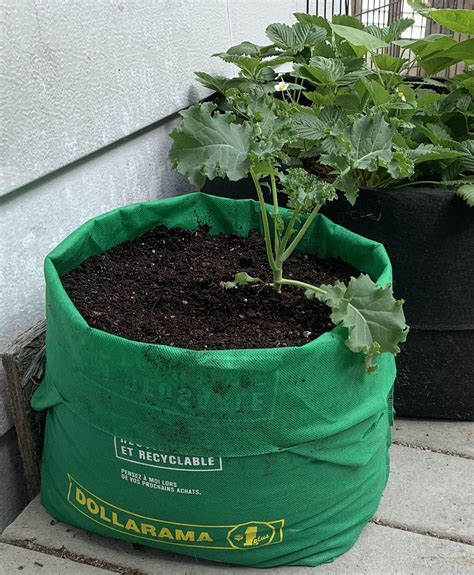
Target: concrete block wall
[[88, 94]]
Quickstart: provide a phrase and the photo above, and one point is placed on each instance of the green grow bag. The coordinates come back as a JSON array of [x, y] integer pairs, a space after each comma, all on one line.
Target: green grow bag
[[258, 457]]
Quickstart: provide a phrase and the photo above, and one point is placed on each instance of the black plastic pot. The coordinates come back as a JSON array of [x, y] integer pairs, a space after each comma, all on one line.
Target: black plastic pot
[[429, 236]]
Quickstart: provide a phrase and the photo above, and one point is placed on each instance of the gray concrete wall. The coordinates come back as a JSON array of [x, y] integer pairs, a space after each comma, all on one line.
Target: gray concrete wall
[[87, 96]]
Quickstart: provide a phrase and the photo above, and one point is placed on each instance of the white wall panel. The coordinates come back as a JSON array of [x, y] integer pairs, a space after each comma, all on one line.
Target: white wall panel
[[249, 18], [79, 74]]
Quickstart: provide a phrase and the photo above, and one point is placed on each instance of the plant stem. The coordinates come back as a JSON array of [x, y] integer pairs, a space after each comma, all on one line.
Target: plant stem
[[298, 95], [277, 270], [290, 228], [276, 214], [302, 285], [304, 228], [266, 227], [377, 69], [277, 279], [408, 184]]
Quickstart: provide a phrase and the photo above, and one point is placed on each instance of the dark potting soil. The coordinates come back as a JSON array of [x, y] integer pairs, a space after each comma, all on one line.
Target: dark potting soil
[[166, 287]]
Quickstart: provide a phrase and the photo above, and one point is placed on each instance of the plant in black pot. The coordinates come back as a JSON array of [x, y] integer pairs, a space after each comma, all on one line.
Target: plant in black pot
[[401, 150]]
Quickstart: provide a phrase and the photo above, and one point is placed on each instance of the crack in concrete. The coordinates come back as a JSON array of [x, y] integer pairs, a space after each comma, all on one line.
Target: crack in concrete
[[419, 531], [63, 553], [433, 450]]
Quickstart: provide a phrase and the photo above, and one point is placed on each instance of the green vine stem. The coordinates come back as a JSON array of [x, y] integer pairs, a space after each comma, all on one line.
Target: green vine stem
[[303, 285], [309, 220], [276, 270]]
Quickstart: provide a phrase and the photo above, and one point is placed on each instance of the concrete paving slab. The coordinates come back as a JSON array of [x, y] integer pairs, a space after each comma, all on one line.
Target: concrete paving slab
[[387, 551], [451, 437], [380, 549], [429, 493], [26, 562]]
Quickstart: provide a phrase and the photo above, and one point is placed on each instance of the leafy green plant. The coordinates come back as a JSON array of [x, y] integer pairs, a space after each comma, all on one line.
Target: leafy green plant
[[249, 137], [358, 119]]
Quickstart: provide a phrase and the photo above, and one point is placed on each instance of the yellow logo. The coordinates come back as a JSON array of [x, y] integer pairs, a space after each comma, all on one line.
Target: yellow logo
[[255, 534], [243, 536]]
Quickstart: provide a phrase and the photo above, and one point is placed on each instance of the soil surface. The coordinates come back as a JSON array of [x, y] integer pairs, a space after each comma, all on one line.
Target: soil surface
[[166, 287]]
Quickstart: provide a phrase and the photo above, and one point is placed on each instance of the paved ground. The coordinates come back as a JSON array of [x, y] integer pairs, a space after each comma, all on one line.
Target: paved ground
[[424, 524]]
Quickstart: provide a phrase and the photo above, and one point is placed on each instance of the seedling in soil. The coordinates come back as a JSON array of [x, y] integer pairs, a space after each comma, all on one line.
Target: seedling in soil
[[249, 138]]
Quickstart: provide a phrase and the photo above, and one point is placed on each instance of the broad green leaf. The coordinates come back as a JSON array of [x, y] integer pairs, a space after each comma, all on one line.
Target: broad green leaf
[[281, 35], [245, 49], [307, 72], [458, 51], [272, 62], [467, 159], [354, 63], [467, 193], [407, 91], [435, 64], [324, 49], [220, 83], [320, 100], [439, 136], [433, 82], [374, 318], [456, 101], [433, 60], [428, 101], [469, 84], [435, 45], [388, 63], [456, 20], [371, 142], [350, 103], [359, 38], [304, 18], [416, 46], [328, 70], [398, 140], [429, 152], [389, 33], [252, 67], [377, 31], [377, 92], [251, 49], [207, 144], [309, 127], [397, 27], [295, 37], [247, 63], [242, 279], [405, 42], [333, 117], [271, 131], [316, 126], [346, 20], [462, 50], [351, 78], [348, 184]]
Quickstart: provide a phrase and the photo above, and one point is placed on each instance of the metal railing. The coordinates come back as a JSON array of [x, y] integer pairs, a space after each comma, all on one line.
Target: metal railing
[[384, 12]]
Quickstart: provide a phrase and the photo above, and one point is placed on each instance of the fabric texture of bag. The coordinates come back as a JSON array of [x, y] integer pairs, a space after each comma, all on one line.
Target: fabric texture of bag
[[259, 457]]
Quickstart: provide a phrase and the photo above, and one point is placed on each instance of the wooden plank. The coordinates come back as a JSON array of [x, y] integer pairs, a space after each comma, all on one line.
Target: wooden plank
[[24, 367]]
